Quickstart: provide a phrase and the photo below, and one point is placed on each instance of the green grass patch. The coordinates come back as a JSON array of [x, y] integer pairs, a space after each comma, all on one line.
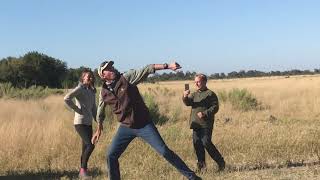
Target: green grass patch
[[33, 92]]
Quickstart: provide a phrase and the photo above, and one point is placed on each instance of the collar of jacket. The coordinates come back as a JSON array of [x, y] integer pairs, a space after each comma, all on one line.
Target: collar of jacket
[[87, 87], [204, 89]]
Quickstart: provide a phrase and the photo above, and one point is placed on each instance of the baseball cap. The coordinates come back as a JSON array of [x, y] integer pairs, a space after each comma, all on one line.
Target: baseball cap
[[103, 66]]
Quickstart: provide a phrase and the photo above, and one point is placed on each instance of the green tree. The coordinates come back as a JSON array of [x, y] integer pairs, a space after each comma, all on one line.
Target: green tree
[[10, 70], [40, 69]]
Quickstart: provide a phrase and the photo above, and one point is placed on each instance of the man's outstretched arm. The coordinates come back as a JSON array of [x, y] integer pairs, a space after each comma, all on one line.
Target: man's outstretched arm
[[173, 66], [136, 76]]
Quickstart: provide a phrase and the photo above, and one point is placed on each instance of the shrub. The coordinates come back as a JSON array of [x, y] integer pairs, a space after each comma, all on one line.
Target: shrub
[[223, 96], [176, 114], [33, 92], [240, 99], [153, 107], [6, 88]]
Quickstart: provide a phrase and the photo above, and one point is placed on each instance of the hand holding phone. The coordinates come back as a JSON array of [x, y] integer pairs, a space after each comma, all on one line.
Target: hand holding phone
[[186, 90], [186, 87]]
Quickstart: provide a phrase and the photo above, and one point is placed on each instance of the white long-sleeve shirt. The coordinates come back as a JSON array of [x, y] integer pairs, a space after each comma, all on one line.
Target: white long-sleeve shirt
[[85, 107]]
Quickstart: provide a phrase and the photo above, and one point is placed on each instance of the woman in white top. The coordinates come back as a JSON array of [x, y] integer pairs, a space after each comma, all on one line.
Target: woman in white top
[[85, 110]]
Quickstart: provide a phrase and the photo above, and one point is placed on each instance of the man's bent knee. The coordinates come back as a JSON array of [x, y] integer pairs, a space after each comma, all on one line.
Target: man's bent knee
[[112, 156]]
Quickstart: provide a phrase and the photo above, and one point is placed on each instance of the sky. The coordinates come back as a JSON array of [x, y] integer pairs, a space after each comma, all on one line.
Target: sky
[[208, 36]]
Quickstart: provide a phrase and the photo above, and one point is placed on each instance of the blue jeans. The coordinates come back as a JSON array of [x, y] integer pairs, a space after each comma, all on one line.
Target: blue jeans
[[150, 134]]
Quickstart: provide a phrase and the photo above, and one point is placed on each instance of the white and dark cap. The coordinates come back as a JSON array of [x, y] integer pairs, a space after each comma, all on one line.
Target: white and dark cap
[[103, 66]]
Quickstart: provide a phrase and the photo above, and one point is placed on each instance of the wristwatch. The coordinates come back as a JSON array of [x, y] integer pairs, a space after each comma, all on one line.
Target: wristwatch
[[165, 66]]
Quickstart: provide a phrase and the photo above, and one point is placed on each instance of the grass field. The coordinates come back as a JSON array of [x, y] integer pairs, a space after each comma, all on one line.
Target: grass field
[[279, 141]]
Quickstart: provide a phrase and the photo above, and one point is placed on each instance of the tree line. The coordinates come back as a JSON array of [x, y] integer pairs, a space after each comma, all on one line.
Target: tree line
[[38, 69], [241, 74]]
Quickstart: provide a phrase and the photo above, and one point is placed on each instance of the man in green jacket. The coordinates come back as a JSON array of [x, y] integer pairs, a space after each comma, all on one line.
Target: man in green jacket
[[205, 105]]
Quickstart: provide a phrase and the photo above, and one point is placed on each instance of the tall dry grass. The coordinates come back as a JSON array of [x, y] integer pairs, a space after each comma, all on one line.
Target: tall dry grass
[[38, 135]]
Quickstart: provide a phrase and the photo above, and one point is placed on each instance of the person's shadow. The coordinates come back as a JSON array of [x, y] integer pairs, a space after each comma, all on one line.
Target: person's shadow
[[50, 174], [261, 166]]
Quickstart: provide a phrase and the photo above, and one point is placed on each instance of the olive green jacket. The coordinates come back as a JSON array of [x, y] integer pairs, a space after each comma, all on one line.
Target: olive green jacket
[[205, 101]]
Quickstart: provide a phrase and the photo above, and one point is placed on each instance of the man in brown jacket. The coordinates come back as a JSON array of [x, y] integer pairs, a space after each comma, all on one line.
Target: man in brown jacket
[[120, 91]]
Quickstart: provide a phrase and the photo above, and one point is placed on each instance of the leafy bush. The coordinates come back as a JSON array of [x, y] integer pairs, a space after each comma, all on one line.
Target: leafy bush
[[33, 92], [240, 99], [153, 107], [223, 96], [6, 88]]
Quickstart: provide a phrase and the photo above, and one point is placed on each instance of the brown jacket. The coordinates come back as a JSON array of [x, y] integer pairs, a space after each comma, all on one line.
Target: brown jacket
[[125, 99], [127, 104]]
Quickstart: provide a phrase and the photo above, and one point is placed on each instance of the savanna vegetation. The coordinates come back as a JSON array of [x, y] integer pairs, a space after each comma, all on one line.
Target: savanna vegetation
[[38, 69], [266, 128]]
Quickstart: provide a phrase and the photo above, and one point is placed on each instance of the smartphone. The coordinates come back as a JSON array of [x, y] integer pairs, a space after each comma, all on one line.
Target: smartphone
[[186, 87]]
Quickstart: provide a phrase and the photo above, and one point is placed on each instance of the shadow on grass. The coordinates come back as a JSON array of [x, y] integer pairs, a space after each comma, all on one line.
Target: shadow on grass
[[49, 174], [262, 166]]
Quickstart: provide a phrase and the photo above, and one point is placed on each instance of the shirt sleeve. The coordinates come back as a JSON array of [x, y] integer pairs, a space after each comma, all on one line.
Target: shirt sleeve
[[136, 76], [94, 109], [68, 99], [101, 108], [213, 105], [188, 101]]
